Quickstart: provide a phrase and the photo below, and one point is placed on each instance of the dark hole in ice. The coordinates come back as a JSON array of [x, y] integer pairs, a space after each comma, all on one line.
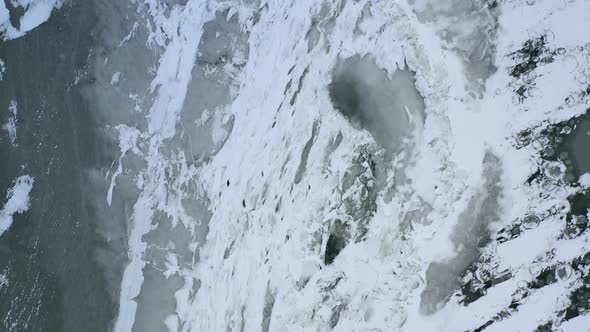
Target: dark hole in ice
[[336, 241], [568, 144], [577, 143], [389, 108]]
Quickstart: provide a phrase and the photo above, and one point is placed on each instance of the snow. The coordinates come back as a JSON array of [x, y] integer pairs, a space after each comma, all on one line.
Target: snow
[[580, 323], [3, 281], [115, 78], [17, 201], [127, 142], [37, 12], [10, 125], [2, 69], [130, 34], [4, 15], [584, 180]]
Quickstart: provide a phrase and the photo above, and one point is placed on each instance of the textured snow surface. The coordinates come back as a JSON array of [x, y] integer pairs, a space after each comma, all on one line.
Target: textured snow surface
[[319, 212]]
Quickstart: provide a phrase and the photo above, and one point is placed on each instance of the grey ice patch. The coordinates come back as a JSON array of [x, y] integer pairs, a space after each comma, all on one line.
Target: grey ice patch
[[390, 108], [171, 250], [305, 152], [222, 41], [269, 302], [171, 3], [312, 36], [168, 254], [417, 215], [470, 235], [473, 39], [206, 124], [322, 23], [331, 148]]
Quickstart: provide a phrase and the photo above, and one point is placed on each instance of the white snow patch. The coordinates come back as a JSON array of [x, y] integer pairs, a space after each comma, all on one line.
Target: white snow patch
[[2, 65], [584, 180], [577, 324], [3, 281], [115, 78], [17, 201], [37, 12], [127, 142], [130, 34], [10, 125]]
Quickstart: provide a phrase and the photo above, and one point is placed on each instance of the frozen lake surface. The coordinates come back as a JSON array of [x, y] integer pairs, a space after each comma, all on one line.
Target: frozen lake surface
[[205, 165]]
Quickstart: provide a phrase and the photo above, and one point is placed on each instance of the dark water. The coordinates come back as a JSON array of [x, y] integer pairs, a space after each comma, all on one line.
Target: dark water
[[50, 254]]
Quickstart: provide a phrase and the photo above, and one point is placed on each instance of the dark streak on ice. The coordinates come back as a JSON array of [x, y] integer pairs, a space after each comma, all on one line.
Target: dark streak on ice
[[269, 302], [305, 152]]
